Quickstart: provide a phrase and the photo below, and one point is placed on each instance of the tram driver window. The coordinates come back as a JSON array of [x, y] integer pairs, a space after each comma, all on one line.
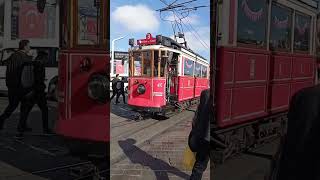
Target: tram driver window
[[252, 22], [147, 60], [137, 64], [156, 64]]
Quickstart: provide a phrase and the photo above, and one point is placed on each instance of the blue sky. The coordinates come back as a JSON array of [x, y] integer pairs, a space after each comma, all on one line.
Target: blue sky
[[136, 18]]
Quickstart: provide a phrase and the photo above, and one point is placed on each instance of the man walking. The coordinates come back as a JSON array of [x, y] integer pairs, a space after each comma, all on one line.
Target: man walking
[[199, 138], [114, 89], [36, 96], [120, 91], [13, 81]]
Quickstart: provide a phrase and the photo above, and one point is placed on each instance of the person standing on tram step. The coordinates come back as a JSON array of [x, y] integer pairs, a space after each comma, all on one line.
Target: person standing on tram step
[[114, 89], [13, 81], [298, 155], [199, 137], [120, 91], [37, 96]]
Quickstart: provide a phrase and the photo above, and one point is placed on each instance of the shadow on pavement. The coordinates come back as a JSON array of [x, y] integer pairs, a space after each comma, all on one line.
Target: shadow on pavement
[[138, 156]]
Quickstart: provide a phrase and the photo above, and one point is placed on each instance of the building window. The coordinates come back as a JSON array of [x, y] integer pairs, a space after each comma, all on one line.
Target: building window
[[252, 22], [281, 25], [28, 23], [302, 32]]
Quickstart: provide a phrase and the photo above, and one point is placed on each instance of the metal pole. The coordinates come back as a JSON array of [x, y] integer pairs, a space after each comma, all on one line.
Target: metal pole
[[112, 53]]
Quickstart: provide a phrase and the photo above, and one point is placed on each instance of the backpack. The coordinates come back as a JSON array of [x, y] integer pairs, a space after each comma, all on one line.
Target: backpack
[[118, 85], [27, 76]]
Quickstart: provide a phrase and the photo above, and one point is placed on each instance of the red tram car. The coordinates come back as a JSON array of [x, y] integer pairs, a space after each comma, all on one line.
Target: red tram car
[[84, 74], [165, 75], [265, 53]]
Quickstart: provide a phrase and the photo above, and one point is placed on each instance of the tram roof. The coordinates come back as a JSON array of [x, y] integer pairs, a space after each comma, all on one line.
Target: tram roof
[[172, 44]]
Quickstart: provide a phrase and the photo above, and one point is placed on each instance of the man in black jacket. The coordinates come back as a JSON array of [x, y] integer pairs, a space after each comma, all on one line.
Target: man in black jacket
[[13, 73], [199, 138], [114, 88], [299, 156], [36, 96], [120, 91]]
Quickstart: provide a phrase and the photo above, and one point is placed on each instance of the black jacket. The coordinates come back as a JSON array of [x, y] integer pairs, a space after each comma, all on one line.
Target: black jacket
[[40, 75], [114, 83], [300, 154], [201, 122], [14, 69]]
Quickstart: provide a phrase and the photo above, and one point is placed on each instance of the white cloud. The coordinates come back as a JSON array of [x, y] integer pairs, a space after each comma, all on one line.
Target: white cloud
[[136, 18]]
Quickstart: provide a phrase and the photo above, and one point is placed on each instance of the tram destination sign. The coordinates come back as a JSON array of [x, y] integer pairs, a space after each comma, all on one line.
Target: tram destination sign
[[148, 41]]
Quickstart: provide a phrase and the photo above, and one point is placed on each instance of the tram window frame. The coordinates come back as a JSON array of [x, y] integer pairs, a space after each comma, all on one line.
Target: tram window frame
[[101, 28], [198, 74], [184, 67], [1, 20], [156, 64], [254, 44], [206, 74], [295, 49], [142, 74], [290, 13]]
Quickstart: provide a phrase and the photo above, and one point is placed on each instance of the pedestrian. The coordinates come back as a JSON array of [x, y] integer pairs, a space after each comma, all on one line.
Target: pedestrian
[[120, 91], [298, 156], [114, 83], [13, 81], [36, 96], [199, 137]]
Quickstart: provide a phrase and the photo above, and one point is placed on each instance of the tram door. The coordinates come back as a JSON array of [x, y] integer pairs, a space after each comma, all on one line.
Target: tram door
[[172, 78]]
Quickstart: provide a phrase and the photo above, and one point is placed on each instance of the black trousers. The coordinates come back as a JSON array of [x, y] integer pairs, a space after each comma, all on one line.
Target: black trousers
[[27, 104], [123, 96], [14, 96], [114, 93], [202, 158]]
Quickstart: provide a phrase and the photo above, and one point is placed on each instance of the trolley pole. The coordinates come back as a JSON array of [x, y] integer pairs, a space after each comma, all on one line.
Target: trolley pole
[[112, 53]]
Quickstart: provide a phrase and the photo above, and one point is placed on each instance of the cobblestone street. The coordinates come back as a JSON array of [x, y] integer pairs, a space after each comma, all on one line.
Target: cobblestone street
[[158, 158]]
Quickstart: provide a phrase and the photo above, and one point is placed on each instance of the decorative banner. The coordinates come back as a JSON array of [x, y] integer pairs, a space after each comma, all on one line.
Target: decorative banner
[[301, 30], [252, 15], [32, 24], [281, 24]]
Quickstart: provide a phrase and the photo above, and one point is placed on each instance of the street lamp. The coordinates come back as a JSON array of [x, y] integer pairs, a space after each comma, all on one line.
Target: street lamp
[[112, 52]]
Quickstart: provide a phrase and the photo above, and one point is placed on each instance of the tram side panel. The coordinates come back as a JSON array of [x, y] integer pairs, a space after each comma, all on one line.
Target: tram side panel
[[81, 117]]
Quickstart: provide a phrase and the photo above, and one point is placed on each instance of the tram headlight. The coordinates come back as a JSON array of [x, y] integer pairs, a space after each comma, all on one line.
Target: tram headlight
[[98, 86], [141, 89]]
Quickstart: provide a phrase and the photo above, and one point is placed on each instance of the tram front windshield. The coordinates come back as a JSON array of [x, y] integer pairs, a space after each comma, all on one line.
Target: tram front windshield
[[147, 64]]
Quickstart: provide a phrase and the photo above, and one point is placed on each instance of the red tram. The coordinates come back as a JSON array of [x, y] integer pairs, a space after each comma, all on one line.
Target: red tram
[[84, 73], [265, 53], [164, 75]]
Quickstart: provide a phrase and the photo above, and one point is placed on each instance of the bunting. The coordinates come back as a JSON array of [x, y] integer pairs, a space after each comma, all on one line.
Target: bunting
[[281, 24], [252, 15]]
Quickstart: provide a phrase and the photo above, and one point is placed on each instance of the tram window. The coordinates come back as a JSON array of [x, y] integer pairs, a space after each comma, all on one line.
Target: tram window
[[252, 22], [197, 71], [204, 73], [188, 67], [88, 26], [147, 60], [281, 25], [156, 64], [25, 24], [137, 64], [302, 32]]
